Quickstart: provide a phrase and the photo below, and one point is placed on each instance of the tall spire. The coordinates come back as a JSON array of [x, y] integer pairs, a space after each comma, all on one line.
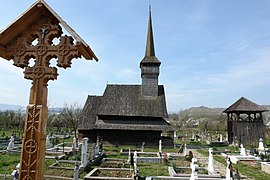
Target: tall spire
[[150, 48], [150, 64]]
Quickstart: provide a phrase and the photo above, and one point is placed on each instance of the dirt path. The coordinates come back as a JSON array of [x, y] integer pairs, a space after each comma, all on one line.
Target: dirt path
[[219, 168]]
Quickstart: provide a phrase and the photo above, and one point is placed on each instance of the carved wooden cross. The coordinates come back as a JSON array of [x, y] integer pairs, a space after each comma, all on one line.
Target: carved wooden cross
[[42, 25]]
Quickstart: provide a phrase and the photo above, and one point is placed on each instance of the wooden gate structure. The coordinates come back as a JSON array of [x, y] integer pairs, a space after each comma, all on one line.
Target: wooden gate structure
[[245, 123], [31, 37]]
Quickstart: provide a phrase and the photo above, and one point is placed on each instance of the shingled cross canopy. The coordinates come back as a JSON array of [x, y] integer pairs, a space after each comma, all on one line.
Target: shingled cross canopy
[[39, 23]]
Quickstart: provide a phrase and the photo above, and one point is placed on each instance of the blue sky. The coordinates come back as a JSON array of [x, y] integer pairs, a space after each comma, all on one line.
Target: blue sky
[[212, 52]]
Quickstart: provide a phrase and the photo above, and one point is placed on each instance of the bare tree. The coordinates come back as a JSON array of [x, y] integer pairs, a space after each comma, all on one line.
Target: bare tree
[[54, 120], [72, 114], [20, 117]]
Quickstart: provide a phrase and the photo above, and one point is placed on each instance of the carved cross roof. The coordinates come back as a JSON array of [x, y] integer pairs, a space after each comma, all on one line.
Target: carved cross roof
[[24, 21]]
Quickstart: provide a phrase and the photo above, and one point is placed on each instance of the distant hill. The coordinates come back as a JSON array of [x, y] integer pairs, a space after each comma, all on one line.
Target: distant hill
[[202, 110], [5, 107], [55, 110], [13, 107], [203, 113]]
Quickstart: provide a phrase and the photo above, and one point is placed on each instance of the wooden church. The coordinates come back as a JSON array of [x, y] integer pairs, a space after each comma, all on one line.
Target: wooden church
[[245, 122], [130, 114]]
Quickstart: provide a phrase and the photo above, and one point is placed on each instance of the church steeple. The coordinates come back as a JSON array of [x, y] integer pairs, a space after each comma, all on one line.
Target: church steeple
[[150, 48], [150, 64]]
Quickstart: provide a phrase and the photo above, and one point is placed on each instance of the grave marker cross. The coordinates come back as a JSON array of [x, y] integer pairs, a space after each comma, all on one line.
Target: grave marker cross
[[42, 25], [22, 51]]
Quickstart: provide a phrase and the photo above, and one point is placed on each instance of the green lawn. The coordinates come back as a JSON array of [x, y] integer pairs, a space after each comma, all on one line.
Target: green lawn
[[253, 171], [150, 169], [8, 163]]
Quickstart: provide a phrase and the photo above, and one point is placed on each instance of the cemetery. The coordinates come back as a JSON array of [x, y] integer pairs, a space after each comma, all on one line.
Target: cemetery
[[198, 163], [125, 134]]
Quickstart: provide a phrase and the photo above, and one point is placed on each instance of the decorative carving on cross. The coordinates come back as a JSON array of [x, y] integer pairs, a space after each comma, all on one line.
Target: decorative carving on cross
[[22, 51]]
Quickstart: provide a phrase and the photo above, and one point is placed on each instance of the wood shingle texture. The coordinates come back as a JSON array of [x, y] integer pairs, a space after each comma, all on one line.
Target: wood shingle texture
[[122, 107], [244, 105]]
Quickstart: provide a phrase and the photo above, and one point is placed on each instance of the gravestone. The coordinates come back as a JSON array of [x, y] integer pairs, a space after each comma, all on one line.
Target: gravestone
[[84, 156], [97, 148], [194, 169], [160, 146], [220, 138], [185, 149], [48, 143], [142, 148], [129, 156], [135, 157], [261, 145], [210, 162], [136, 171], [11, 143], [228, 169], [74, 144], [242, 150], [193, 136], [76, 172]]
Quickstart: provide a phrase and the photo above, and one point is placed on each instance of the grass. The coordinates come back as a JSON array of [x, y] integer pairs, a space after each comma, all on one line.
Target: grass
[[60, 172], [115, 154], [6, 133], [252, 171], [150, 169], [145, 169], [8, 163]]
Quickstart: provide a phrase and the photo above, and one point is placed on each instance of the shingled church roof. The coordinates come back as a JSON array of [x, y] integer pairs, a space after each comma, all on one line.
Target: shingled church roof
[[244, 105], [123, 107]]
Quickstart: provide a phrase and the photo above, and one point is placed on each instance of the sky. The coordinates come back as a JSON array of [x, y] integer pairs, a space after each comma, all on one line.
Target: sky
[[211, 52]]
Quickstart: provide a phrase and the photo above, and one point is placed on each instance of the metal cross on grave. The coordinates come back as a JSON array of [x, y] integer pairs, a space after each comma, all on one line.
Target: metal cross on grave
[[32, 37]]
